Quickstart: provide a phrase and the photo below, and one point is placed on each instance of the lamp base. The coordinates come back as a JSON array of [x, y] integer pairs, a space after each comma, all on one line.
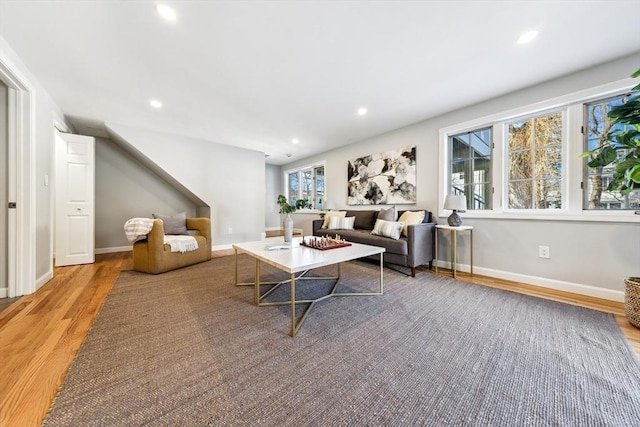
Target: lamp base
[[454, 219]]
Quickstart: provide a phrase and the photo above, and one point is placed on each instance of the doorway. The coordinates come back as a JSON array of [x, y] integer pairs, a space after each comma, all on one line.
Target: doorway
[[4, 186]]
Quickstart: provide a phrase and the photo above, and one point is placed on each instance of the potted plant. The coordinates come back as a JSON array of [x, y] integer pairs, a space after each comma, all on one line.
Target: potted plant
[[286, 209], [620, 147]]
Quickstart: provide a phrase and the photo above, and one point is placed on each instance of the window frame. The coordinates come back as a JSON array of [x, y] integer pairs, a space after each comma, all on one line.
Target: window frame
[[585, 188], [564, 160], [572, 165], [489, 179], [299, 170]]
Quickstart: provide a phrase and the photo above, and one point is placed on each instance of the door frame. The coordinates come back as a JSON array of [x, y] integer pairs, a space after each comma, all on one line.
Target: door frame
[[21, 180]]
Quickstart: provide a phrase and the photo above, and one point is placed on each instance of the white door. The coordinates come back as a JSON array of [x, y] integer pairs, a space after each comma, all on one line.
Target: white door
[[74, 190]]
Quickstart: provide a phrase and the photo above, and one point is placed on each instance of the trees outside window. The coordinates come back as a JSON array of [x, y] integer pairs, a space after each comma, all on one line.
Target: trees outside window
[[535, 162]]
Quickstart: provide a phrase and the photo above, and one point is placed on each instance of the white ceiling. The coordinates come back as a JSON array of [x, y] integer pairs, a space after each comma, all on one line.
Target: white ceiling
[[256, 74]]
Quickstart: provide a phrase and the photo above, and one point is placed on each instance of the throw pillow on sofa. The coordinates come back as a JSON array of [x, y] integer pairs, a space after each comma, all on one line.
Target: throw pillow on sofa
[[389, 229], [328, 215], [173, 224], [340, 223], [388, 214], [410, 218]]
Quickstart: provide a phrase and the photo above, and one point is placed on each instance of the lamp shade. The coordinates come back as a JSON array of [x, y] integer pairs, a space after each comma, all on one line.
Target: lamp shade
[[455, 203]]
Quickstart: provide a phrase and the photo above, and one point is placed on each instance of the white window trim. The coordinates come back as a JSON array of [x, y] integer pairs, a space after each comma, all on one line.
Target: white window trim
[[572, 164], [285, 181], [505, 163]]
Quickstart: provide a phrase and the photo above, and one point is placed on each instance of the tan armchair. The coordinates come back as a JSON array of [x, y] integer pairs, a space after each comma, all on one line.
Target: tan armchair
[[153, 256]]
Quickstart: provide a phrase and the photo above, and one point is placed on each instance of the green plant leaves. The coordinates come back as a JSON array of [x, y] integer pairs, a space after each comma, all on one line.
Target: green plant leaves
[[626, 177]]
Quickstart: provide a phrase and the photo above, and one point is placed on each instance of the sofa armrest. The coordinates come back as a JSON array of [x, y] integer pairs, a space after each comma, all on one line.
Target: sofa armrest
[[155, 238], [420, 243], [316, 225], [202, 226]]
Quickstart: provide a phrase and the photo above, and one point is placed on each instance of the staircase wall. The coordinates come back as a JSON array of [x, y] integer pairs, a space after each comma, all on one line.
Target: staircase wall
[[228, 182]]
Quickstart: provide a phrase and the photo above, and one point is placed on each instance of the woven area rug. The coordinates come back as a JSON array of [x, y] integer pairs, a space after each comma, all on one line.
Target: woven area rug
[[189, 348]]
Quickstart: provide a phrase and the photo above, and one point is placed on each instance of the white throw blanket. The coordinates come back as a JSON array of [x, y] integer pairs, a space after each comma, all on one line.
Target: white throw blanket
[[137, 228], [181, 243]]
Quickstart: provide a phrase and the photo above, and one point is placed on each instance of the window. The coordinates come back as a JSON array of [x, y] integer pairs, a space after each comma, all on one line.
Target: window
[[597, 125], [526, 163], [308, 184], [470, 154], [535, 162]]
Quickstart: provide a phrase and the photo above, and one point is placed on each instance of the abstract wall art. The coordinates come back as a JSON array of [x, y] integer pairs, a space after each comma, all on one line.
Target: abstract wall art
[[387, 178]]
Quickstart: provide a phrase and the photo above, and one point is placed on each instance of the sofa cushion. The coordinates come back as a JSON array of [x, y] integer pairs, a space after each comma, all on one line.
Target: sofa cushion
[[341, 223], [389, 229], [364, 219], [399, 247], [411, 218], [388, 214], [328, 215], [173, 224]]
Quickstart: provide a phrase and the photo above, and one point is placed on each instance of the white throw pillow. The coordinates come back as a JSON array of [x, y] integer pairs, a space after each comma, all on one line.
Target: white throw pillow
[[410, 218], [340, 223], [389, 229], [328, 215]]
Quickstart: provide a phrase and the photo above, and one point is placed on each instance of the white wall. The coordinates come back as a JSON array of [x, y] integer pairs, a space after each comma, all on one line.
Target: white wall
[[228, 179], [586, 257], [125, 188], [273, 187]]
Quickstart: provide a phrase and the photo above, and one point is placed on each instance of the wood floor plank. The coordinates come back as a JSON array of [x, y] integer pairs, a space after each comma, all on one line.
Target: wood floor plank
[[40, 334]]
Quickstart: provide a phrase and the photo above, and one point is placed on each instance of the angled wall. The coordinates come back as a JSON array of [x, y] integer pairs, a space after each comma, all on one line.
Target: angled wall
[[224, 182]]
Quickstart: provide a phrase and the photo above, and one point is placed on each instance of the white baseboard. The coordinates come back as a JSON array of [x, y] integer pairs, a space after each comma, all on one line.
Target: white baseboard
[[98, 251], [4, 292], [44, 279], [576, 288], [221, 247]]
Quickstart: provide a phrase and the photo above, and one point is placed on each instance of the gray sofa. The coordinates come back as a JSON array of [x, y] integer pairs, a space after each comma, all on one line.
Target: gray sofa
[[411, 251]]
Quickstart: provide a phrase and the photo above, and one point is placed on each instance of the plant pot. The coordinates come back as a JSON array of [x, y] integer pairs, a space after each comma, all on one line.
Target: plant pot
[[632, 300], [287, 225]]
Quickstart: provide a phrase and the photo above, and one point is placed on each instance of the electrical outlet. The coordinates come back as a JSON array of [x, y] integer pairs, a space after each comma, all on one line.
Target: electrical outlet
[[230, 230], [543, 252]]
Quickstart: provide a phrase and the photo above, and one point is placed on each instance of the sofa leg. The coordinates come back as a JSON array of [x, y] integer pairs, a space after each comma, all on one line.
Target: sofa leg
[[430, 265], [413, 272]]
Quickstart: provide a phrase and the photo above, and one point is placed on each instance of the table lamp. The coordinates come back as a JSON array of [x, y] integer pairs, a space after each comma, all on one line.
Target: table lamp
[[455, 203]]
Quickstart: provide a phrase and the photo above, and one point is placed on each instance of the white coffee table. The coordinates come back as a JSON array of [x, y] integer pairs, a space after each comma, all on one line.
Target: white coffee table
[[297, 261]]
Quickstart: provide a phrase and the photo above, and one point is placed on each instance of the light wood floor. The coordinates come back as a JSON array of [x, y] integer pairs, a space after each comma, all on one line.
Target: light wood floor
[[41, 333]]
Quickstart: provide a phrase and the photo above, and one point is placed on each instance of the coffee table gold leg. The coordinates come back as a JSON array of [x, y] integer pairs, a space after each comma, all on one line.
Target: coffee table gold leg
[[381, 275], [236, 275], [293, 305], [257, 282]]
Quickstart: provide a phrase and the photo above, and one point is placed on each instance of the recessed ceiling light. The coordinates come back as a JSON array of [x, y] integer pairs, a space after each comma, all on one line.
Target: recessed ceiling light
[[155, 103], [362, 111], [528, 36], [295, 140], [166, 12]]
